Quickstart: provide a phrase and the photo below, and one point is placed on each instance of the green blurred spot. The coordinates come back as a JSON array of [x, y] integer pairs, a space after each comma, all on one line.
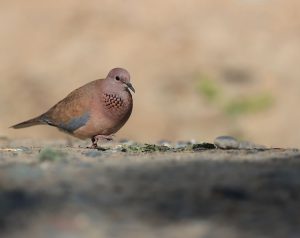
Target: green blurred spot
[[208, 88], [145, 148], [251, 104], [49, 154]]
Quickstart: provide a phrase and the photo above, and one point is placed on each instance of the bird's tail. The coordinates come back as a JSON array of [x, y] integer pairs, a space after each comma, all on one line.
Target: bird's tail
[[31, 122]]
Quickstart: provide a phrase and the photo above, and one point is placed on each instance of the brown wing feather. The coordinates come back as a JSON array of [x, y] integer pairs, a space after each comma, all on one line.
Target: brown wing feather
[[74, 105]]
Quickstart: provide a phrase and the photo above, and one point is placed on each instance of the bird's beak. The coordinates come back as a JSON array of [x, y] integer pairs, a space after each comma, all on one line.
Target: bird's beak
[[129, 85]]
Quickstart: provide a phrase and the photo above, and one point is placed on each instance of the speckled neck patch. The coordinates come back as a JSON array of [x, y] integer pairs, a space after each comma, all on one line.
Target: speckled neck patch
[[112, 101]]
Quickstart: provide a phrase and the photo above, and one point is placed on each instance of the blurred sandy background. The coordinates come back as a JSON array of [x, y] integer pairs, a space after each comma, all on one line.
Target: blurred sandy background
[[200, 68]]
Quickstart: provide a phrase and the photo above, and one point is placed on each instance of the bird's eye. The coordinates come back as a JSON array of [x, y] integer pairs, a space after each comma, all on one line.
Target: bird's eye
[[117, 78]]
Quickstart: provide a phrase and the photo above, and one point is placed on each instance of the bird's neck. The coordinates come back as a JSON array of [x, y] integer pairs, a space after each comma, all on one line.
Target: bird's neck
[[118, 90]]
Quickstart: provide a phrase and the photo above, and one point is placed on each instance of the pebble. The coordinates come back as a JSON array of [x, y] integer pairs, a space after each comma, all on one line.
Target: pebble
[[227, 142], [25, 149], [165, 143], [183, 144], [246, 145], [11, 149]]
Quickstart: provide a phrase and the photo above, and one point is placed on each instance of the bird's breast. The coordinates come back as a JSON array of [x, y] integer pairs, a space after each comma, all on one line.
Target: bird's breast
[[112, 101], [116, 106]]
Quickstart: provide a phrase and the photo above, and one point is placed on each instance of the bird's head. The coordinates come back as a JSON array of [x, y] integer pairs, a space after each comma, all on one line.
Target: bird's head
[[120, 78]]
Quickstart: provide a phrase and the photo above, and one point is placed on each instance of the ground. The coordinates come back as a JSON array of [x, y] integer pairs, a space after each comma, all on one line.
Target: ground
[[62, 189]]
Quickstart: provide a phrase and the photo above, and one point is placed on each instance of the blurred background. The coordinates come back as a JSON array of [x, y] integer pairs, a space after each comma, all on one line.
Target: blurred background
[[200, 68]]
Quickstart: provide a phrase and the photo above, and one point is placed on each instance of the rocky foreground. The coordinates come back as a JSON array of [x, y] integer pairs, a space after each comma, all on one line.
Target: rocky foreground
[[62, 189]]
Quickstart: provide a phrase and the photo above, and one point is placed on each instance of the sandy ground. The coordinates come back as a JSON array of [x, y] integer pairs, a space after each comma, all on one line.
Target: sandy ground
[[61, 189]]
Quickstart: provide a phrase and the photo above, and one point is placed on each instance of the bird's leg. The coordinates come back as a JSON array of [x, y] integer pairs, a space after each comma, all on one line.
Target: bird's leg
[[97, 138], [94, 143]]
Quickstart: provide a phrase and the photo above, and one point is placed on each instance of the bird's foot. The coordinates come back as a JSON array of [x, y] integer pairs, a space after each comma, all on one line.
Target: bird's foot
[[101, 138]]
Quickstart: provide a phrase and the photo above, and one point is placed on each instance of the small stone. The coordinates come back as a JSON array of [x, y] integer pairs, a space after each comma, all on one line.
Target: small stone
[[246, 145], [165, 143], [226, 142], [25, 149], [182, 144], [11, 149]]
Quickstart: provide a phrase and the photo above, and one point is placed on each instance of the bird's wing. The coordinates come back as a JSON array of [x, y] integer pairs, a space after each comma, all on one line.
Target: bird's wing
[[73, 111]]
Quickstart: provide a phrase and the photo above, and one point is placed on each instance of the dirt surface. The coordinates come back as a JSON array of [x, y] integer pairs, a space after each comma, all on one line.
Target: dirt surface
[[62, 189]]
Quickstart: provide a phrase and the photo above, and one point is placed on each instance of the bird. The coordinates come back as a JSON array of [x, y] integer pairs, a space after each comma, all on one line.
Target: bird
[[96, 110]]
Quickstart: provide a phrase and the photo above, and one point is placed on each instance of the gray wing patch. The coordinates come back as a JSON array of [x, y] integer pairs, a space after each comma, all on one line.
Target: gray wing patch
[[75, 123]]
